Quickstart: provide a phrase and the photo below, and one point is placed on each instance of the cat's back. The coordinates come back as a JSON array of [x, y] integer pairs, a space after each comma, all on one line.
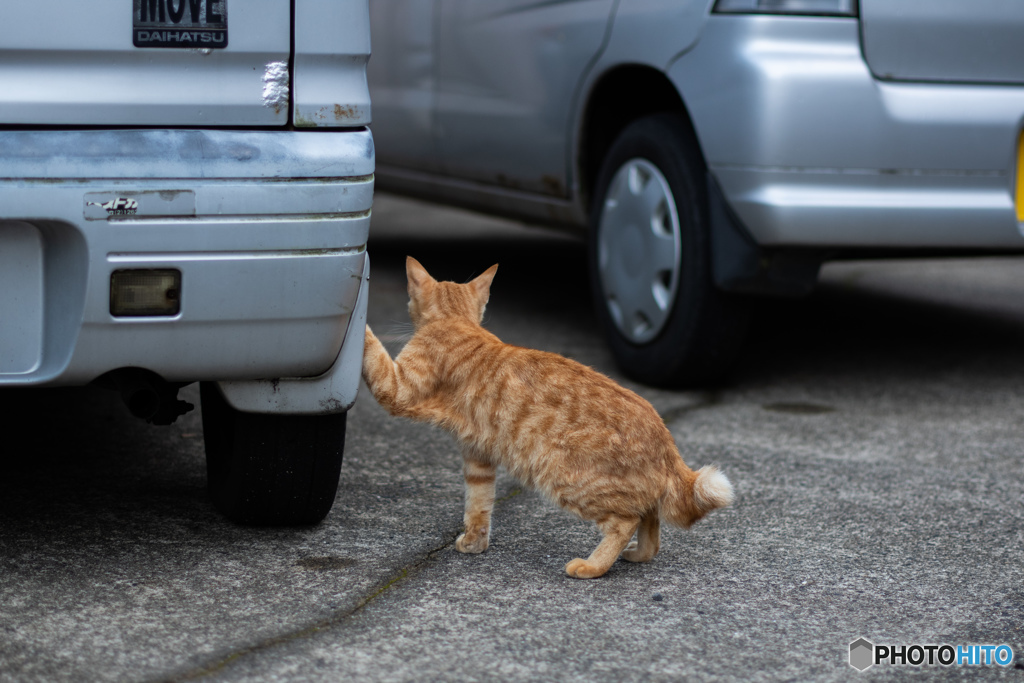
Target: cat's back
[[509, 397], [583, 393]]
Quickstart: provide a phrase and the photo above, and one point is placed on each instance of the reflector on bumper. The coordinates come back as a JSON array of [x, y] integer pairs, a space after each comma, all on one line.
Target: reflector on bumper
[[145, 292]]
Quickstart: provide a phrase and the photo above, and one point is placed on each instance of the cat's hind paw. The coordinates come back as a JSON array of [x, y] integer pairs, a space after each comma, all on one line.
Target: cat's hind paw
[[581, 569], [474, 544], [634, 555], [631, 554]]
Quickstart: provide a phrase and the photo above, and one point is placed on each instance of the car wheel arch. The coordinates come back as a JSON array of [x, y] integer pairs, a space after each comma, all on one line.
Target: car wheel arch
[[618, 97]]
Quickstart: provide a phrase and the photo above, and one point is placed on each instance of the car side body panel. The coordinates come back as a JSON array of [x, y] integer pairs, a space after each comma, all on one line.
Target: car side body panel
[[403, 76], [944, 40], [509, 74], [652, 32], [811, 150], [809, 147]]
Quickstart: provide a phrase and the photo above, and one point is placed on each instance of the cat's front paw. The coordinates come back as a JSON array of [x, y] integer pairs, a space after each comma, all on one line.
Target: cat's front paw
[[476, 543], [581, 569]]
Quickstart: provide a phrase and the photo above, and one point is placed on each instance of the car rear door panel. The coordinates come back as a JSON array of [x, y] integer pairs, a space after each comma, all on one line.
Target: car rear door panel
[[509, 72], [403, 77]]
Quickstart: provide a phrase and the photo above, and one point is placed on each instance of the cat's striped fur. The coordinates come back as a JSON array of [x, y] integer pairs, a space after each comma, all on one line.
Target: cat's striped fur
[[590, 445]]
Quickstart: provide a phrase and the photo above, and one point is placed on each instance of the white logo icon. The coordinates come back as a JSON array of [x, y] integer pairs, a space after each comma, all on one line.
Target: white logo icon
[[119, 206]]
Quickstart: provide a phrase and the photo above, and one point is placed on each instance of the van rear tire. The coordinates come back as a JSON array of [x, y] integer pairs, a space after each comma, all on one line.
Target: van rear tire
[[270, 470]]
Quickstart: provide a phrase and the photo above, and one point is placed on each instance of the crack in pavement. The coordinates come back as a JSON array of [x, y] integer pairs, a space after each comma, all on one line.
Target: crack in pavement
[[334, 621]]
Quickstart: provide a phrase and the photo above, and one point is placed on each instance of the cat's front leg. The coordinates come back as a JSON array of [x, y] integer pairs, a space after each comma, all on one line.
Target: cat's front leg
[[377, 371], [479, 503], [397, 390]]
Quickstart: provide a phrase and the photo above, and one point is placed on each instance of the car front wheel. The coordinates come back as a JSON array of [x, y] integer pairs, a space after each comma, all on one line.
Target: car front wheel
[[270, 469], [650, 260]]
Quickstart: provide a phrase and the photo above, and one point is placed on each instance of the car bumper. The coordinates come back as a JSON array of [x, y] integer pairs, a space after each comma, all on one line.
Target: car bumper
[[811, 150], [268, 231]]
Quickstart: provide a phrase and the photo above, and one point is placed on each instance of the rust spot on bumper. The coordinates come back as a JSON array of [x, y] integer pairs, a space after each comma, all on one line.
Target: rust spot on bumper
[[341, 113]]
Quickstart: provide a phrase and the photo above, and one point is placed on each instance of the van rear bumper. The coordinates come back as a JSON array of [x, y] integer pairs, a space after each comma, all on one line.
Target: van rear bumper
[[268, 230]]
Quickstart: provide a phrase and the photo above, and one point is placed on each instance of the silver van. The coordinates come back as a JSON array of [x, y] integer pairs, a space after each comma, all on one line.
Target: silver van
[[185, 196], [711, 151]]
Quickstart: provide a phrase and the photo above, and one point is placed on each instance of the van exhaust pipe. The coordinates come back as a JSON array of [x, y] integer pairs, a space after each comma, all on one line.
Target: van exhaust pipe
[[147, 396], [141, 398]]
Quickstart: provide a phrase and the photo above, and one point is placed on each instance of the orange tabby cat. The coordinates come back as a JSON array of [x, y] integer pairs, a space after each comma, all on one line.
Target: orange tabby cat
[[593, 447]]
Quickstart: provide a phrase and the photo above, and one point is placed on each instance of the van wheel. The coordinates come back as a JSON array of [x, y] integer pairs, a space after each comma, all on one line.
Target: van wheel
[[650, 260], [270, 470]]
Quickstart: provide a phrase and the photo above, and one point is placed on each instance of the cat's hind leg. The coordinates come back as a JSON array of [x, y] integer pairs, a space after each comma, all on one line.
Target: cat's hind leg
[[479, 477], [617, 532], [648, 539]]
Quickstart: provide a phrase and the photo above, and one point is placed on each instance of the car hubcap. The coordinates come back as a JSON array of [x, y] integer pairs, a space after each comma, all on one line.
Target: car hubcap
[[638, 250]]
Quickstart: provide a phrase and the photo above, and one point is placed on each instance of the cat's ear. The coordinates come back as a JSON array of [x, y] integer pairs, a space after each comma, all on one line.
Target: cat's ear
[[417, 275], [482, 283]]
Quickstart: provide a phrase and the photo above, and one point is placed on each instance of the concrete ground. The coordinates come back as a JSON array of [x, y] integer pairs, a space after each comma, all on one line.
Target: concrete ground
[[873, 433]]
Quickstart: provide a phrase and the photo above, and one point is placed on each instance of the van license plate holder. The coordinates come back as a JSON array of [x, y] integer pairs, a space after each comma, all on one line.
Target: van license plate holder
[[180, 23]]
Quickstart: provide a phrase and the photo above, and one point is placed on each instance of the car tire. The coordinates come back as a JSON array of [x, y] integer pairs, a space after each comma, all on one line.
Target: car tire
[[270, 470], [650, 260]]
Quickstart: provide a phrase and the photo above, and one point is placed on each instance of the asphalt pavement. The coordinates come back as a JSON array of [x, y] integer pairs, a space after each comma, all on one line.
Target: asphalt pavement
[[873, 434]]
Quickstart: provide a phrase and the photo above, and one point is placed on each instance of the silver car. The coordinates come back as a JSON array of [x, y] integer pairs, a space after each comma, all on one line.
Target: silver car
[[711, 151], [185, 196]]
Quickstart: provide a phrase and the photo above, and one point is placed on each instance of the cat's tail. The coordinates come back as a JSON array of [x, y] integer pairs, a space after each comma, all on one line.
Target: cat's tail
[[691, 495]]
